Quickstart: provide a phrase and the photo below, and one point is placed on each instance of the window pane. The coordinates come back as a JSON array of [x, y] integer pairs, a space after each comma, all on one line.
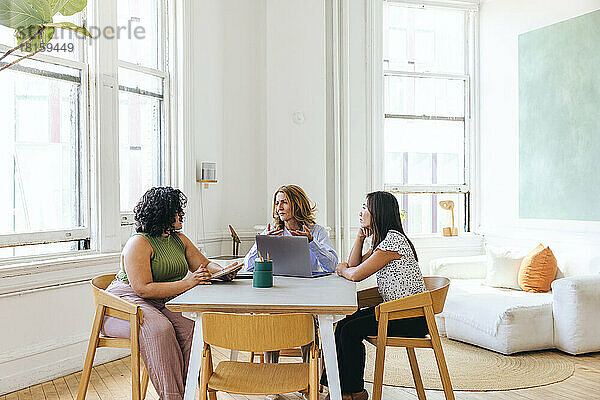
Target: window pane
[[424, 39], [129, 79], [424, 214], [138, 42], [420, 152], [424, 96], [140, 143], [40, 151], [35, 249]]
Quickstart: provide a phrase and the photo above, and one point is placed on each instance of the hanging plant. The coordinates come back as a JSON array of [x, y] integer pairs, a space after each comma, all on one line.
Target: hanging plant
[[33, 23]]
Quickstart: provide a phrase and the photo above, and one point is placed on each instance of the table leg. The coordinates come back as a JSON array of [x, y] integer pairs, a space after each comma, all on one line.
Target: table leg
[[330, 353], [191, 382]]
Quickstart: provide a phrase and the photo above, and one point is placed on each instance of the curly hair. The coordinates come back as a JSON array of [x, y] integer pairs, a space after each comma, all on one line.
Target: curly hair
[[302, 209], [155, 213]]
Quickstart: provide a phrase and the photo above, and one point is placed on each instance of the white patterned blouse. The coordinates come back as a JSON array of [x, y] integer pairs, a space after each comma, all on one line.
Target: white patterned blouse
[[399, 278]]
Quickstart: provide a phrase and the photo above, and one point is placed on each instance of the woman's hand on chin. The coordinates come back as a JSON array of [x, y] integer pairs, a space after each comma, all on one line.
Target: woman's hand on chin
[[365, 232]]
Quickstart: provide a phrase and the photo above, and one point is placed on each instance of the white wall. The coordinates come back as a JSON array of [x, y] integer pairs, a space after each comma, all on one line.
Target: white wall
[[257, 63], [295, 84], [207, 53], [501, 22]]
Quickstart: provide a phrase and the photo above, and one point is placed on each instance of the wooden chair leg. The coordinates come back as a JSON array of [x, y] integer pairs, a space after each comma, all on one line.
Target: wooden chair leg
[[261, 358], [380, 356], [439, 353], [91, 352], [144, 383], [205, 372], [252, 357], [313, 387], [414, 367], [321, 370], [135, 357], [212, 394]]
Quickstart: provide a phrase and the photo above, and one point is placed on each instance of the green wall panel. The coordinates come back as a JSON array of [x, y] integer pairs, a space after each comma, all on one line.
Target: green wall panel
[[559, 120]]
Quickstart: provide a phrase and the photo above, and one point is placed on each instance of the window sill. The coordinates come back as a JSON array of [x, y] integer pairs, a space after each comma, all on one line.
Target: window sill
[[52, 272], [468, 239], [436, 240]]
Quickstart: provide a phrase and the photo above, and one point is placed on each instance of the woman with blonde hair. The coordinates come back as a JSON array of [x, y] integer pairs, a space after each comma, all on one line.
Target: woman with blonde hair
[[294, 215]]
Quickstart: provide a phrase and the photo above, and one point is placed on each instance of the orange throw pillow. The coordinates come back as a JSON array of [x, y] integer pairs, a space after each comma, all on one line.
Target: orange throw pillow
[[538, 270]]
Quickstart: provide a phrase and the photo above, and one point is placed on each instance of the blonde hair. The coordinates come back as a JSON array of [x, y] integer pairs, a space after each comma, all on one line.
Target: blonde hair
[[302, 209]]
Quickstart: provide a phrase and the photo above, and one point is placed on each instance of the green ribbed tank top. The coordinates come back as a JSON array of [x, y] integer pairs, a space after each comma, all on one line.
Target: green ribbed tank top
[[168, 264]]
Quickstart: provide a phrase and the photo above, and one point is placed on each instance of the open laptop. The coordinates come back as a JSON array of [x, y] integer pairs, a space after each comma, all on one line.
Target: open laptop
[[290, 255]]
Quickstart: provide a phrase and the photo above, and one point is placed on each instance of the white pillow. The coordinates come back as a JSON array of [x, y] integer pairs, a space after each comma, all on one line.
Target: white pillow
[[503, 268]]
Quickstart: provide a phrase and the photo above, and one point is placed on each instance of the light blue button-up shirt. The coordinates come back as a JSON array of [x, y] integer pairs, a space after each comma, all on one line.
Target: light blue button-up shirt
[[322, 254]]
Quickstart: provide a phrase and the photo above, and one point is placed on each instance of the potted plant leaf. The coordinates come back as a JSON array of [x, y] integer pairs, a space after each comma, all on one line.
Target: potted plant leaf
[[33, 23]]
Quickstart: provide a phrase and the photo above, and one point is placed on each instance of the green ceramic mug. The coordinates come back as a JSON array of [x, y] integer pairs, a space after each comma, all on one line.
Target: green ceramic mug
[[262, 277]]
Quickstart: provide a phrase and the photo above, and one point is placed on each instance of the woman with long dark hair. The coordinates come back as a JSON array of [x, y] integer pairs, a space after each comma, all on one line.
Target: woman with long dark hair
[[154, 265], [392, 257]]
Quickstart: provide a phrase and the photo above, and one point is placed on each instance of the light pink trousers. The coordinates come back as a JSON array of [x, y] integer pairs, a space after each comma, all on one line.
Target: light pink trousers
[[165, 340]]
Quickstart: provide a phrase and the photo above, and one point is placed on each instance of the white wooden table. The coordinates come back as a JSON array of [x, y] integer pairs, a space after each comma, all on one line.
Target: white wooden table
[[330, 298]]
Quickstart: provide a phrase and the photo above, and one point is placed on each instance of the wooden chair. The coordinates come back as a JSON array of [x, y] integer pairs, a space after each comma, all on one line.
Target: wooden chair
[[295, 352], [261, 357], [257, 333], [235, 242], [111, 305], [424, 304], [235, 247]]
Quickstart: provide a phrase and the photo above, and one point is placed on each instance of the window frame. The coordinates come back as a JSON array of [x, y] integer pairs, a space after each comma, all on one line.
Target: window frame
[[162, 72], [73, 234], [469, 77]]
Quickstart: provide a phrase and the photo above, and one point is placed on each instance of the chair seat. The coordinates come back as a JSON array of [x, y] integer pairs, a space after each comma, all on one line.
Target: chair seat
[[248, 378]]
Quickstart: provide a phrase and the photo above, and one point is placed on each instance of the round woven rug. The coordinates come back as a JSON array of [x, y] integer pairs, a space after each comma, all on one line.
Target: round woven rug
[[473, 368]]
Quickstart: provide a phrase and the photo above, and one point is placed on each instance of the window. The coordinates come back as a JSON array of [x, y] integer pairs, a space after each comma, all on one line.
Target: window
[[427, 92], [43, 151], [143, 100]]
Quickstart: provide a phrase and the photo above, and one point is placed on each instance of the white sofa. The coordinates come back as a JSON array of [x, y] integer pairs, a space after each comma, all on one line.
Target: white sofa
[[510, 321]]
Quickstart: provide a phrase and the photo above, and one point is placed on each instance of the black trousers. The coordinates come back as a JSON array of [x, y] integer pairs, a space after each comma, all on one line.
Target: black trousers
[[349, 335]]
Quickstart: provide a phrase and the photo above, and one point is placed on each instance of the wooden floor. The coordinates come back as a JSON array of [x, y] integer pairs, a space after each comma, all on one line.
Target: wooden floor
[[112, 381]]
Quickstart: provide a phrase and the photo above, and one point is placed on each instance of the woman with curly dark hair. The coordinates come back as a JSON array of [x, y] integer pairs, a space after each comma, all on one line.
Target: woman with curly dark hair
[[154, 265]]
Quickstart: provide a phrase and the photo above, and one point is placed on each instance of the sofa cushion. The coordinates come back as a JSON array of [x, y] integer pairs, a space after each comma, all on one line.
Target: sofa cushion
[[469, 267], [503, 268], [503, 320], [537, 270], [576, 322]]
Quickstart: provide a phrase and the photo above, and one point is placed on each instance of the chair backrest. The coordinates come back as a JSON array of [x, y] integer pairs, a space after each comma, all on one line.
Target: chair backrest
[[235, 241], [101, 282], [437, 286], [257, 333], [116, 306]]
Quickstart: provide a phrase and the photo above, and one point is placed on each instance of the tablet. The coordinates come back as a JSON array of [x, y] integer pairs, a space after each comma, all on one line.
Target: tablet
[[227, 270]]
